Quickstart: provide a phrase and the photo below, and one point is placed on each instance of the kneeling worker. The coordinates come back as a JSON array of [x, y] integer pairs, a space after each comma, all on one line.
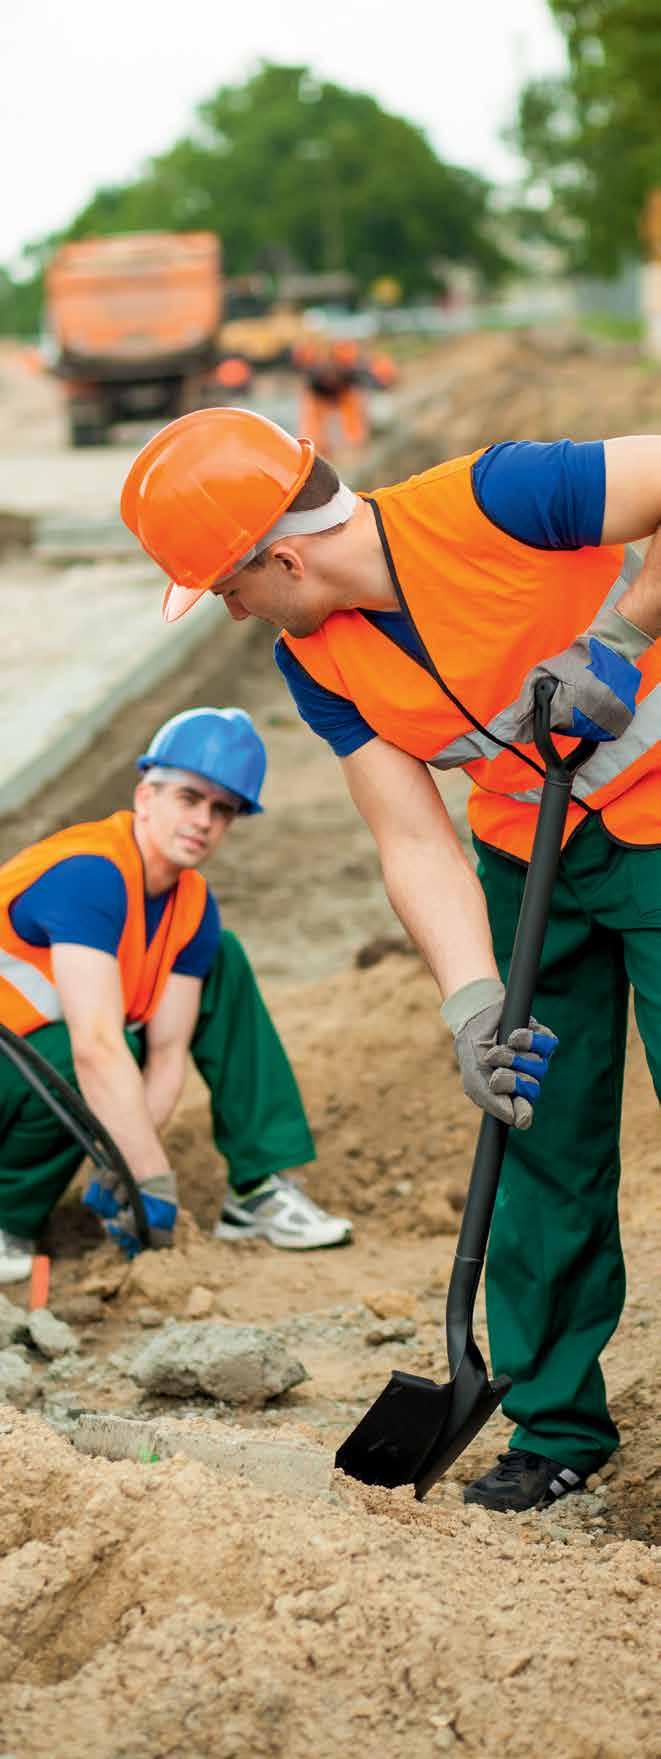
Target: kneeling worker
[[112, 959]]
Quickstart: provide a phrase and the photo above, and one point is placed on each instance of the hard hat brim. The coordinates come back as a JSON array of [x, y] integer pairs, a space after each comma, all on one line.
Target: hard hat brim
[[177, 600]]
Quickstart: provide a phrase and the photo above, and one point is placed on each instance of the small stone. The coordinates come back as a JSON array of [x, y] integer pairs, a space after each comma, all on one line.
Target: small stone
[[17, 1385], [391, 1304], [148, 1317], [437, 1215], [517, 1665], [444, 1740], [50, 1335], [13, 1323], [391, 1331], [200, 1303], [594, 1481], [81, 1309]]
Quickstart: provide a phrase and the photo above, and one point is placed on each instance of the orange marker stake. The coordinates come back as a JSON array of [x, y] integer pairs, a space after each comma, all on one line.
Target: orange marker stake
[[39, 1281]]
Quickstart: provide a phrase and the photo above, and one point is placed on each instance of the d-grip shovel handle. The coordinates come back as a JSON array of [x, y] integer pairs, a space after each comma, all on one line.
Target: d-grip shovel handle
[[521, 985]]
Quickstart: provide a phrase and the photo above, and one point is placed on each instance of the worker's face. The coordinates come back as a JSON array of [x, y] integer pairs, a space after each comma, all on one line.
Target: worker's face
[[285, 590], [184, 821]]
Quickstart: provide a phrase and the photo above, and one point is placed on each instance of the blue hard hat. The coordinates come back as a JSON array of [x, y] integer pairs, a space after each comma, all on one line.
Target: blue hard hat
[[220, 744]]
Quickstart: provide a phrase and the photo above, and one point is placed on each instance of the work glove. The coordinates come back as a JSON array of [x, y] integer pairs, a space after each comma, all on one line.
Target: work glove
[[597, 681], [504, 1079], [107, 1197]]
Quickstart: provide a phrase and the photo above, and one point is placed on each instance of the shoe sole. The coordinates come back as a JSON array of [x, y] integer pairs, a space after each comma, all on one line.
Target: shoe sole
[[510, 1508], [224, 1231]]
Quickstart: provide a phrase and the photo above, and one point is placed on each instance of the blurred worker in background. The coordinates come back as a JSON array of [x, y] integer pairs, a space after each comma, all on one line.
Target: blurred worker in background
[[333, 407], [113, 961], [415, 622]]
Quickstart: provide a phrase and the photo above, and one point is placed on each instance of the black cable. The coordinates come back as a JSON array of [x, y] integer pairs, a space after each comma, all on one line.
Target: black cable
[[77, 1118]]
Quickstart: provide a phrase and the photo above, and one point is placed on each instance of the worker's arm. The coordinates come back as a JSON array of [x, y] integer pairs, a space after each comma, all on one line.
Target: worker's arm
[[440, 901], [633, 510], [632, 507], [429, 881], [89, 987], [168, 1035]]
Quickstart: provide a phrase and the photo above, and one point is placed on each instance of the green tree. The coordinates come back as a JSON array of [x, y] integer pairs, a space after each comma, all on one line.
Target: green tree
[[293, 172], [594, 139]]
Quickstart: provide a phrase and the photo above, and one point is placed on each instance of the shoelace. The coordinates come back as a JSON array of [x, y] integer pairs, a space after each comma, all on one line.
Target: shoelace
[[511, 1463]]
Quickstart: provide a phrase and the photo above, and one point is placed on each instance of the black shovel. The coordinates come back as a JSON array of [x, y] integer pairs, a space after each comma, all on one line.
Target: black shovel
[[416, 1429], [77, 1118]]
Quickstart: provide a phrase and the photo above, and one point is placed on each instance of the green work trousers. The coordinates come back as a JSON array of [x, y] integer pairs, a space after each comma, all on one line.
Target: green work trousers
[[257, 1114], [555, 1274]]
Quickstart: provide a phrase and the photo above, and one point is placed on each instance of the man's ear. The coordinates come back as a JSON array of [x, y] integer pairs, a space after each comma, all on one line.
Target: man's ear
[[289, 557]]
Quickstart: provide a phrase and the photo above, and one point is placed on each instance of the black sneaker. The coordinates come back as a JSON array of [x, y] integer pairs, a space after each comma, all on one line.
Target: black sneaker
[[522, 1480]]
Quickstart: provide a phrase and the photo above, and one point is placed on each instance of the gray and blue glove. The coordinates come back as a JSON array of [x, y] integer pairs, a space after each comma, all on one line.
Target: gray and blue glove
[[107, 1197], [504, 1079], [598, 680]]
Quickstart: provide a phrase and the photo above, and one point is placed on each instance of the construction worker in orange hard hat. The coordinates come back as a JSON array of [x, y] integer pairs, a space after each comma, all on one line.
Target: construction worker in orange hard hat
[[415, 622]]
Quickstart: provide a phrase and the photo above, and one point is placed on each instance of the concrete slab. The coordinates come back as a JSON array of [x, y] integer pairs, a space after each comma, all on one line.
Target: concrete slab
[[77, 645], [292, 1468]]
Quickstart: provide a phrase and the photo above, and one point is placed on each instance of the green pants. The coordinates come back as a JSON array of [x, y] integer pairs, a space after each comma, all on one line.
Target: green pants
[[555, 1273], [257, 1114]]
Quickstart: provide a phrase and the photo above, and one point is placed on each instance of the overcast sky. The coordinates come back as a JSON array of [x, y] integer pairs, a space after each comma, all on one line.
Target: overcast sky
[[91, 90]]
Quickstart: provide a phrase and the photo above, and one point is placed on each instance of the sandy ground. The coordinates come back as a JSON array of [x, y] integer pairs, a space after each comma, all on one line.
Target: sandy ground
[[155, 1609]]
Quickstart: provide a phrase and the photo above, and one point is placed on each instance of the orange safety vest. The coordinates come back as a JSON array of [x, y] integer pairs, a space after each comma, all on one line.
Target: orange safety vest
[[488, 608], [28, 995]]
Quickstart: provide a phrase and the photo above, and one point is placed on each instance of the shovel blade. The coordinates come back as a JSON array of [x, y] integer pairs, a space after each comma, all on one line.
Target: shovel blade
[[394, 1437], [416, 1429]]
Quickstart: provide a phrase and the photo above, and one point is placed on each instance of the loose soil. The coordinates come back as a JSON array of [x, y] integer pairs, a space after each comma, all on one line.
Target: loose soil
[[151, 1608]]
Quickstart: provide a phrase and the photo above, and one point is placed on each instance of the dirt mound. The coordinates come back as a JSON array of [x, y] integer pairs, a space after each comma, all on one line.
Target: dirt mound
[[154, 1609], [393, 1131]]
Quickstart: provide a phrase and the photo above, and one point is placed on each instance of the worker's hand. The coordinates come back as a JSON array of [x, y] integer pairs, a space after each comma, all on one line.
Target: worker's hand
[[504, 1079], [107, 1197], [597, 681]]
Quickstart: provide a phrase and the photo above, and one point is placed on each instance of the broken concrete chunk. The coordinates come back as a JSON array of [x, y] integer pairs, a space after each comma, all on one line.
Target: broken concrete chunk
[[238, 1364], [80, 1310], [51, 1336], [13, 1323], [149, 1318], [17, 1386], [391, 1331]]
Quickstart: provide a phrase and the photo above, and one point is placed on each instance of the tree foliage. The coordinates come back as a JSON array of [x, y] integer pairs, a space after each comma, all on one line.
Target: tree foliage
[[595, 139], [295, 173]]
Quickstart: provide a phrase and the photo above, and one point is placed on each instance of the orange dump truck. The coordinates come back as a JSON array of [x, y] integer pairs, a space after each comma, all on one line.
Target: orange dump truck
[[132, 326]]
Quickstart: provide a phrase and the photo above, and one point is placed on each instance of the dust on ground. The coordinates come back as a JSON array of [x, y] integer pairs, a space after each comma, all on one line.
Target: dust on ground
[[152, 1609]]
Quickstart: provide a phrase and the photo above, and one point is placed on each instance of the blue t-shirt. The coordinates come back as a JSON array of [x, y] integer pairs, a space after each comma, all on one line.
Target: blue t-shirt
[[550, 496], [83, 900]]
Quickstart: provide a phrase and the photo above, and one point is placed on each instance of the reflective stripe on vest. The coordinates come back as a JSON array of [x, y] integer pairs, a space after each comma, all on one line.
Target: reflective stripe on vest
[[31, 984], [486, 609]]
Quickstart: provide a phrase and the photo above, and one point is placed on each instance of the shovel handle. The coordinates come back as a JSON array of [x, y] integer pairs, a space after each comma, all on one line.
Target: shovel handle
[[521, 985]]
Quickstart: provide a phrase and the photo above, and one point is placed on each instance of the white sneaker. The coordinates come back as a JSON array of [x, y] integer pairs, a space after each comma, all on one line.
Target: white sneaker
[[280, 1212], [15, 1258]]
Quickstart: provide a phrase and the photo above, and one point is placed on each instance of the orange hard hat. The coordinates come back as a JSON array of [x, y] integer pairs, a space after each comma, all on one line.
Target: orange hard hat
[[204, 490]]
